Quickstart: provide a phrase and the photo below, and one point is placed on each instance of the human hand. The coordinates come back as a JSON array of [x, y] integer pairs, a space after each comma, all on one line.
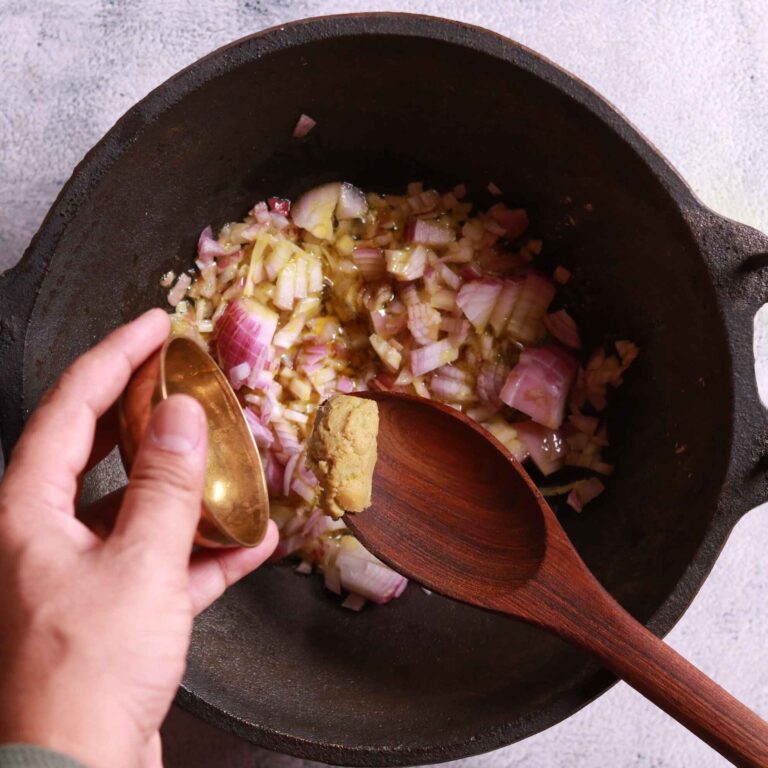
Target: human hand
[[95, 633]]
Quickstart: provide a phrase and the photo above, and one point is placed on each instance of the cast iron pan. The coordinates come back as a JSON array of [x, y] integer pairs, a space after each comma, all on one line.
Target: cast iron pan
[[396, 98]]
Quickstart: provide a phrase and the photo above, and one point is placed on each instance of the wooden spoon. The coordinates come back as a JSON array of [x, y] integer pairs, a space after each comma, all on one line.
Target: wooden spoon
[[453, 510]]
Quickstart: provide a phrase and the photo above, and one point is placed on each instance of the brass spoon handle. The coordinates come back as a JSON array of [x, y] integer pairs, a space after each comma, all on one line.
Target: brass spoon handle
[[584, 613]]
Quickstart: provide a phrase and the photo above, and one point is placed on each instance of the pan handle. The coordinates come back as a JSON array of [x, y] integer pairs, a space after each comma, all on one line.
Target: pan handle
[[737, 256]]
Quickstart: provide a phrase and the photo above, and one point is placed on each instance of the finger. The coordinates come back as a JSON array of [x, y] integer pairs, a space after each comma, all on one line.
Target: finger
[[212, 571], [56, 443], [161, 506]]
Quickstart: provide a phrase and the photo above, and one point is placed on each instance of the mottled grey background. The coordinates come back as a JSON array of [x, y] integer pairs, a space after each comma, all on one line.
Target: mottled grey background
[[691, 75]]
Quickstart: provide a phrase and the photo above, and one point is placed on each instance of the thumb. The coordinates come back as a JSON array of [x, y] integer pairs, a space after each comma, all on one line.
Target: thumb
[[161, 505]]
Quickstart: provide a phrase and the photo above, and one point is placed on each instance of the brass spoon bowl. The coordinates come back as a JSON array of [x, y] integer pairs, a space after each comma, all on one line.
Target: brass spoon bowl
[[235, 509]]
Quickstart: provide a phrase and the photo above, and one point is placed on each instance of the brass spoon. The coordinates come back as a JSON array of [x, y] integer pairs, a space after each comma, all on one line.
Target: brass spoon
[[453, 510], [235, 509]]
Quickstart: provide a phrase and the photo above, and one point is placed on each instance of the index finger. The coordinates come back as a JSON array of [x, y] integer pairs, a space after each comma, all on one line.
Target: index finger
[[56, 443]]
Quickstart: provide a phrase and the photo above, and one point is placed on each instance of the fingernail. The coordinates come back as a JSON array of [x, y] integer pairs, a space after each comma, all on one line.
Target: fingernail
[[177, 424]]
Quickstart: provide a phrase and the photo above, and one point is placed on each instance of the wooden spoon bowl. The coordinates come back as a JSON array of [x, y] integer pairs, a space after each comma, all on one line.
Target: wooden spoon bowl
[[444, 464]]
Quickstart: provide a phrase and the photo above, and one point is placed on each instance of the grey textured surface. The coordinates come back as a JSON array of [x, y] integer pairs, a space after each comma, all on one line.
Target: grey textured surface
[[26, 756], [692, 76]]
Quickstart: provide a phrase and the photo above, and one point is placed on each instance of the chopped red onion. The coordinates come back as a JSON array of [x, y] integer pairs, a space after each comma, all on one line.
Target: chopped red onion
[[285, 291], [406, 265], [584, 491], [300, 287], [495, 229], [239, 374], [273, 471], [452, 372], [279, 205], [449, 277], [208, 275], [243, 334], [423, 323], [423, 313], [471, 272], [428, 232], [504, 305], [389, 355], [409, 294], [303, 126], [447, 388], [459, 333], [260, 379], [506, 434], [315, 520], [354, 602], [546, 446], [382, 382], [352, 203], [288, 335], [176, 294], [386, 324], [286, 437], [207, 248], [490, 381], [365, 575], [538, 385], [290, 468], [287, 546], [563, 327], [586, 424], [574, 501], [370, 262], [526, 323], [294, 416], [514, 221], [261, 434], [427, 358], [314, 210], [628, 352], [477, 299], [276, 259], [315, 275], [235, 291], [481, 412], [305, 491]]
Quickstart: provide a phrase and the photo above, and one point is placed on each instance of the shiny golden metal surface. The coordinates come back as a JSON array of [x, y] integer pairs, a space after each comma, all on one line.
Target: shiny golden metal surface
[[235, 507]]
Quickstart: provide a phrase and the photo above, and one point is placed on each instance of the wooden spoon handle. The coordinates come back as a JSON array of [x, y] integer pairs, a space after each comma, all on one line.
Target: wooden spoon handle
[[590, 617]]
